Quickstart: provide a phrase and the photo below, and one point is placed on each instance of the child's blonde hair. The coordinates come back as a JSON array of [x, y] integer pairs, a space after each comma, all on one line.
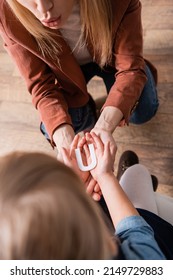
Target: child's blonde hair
[[96, 19], [45, 212]]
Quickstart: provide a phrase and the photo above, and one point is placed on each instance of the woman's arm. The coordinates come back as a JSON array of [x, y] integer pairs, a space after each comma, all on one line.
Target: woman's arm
[[106, 124], [63, 137], [109, 119], [130, 76], [37, 71]]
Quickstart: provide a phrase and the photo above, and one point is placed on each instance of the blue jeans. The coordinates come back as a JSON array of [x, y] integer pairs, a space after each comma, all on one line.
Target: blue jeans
[[84, 118], [148, 101]]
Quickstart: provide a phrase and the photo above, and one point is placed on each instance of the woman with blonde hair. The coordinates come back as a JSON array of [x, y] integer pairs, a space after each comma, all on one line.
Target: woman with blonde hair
[[45, 212], [60, 45]]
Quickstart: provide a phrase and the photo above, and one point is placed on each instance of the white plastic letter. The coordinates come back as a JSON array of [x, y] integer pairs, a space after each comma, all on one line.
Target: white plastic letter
[[92, 156]]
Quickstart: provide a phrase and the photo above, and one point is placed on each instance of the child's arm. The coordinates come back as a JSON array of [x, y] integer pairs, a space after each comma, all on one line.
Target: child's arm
[[136, 236], [117, 202]]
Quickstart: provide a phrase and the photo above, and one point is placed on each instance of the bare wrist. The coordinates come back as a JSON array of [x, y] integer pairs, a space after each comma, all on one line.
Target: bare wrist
[[63, 136], [109, 119], [105, 177]]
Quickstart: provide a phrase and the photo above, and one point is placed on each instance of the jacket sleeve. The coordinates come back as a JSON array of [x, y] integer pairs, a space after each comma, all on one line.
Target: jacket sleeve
[[129, 62], [46, 92], [137, 240]]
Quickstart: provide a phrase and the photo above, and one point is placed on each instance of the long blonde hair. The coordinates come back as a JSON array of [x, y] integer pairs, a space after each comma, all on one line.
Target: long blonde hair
[[45, 212], [96, 19]]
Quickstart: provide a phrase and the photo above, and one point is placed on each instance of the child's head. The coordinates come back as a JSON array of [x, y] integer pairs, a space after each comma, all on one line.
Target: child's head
[[45, 212]]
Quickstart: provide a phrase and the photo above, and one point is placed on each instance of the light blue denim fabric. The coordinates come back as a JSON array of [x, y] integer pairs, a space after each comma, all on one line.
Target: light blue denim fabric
[[137, 240]]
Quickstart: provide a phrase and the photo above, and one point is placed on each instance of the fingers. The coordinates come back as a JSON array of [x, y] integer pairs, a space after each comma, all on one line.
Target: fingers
[[89, 138], [98, 142], [97, 188], [93, 189], [96, 196], [78, 142], [86, 151], [74, 143], [90, 184], [81, 142], [66, 157]]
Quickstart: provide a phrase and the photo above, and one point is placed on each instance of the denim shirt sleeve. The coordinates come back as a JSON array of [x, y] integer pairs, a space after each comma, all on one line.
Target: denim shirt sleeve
[[137, 240]]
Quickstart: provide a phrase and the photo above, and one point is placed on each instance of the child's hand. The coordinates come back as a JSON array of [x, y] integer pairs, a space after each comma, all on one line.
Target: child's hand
[[105, 137], [69, 158], [105, 161]]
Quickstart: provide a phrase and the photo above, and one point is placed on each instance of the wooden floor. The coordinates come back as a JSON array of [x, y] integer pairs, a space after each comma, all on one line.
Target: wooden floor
[[153, 142]]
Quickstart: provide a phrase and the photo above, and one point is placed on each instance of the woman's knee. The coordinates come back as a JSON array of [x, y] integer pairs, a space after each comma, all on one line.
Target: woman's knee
[[141, 116], [148, 101]]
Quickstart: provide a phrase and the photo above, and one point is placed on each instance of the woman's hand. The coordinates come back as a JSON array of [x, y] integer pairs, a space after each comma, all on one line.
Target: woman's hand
[[63, 137], [107, 122], [69, 158]]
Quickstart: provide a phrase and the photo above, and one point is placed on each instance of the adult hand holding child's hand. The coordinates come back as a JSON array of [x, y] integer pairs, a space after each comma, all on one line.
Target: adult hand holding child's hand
[[69, 158], [104, 155]]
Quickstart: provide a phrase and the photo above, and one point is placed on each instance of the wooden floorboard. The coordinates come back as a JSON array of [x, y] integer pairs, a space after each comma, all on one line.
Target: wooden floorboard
[[155, 3], [153, 141]]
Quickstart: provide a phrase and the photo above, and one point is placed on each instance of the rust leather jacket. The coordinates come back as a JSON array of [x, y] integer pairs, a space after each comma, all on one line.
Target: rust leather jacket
[[52, 99]]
